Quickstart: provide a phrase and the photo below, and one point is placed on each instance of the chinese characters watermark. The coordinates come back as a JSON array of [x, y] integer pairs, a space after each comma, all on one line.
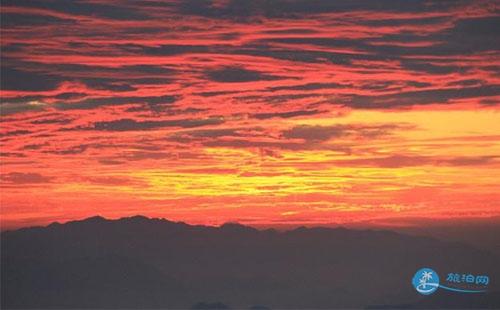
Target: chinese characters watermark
[[426, 282]]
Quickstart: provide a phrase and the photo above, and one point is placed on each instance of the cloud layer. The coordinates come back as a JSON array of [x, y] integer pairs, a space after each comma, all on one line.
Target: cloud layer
[[286, 110]]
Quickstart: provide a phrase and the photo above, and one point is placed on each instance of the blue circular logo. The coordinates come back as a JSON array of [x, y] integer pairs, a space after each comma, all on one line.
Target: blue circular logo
[[425, 281]]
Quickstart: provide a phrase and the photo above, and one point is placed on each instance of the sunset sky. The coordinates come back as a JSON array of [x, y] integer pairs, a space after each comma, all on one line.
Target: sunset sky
[[260, 112]]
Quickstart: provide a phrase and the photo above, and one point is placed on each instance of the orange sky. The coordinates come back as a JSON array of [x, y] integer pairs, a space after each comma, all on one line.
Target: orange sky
[[286, 113]]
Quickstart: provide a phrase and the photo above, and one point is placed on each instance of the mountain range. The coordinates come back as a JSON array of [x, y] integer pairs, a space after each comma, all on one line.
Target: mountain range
[[140, 262]]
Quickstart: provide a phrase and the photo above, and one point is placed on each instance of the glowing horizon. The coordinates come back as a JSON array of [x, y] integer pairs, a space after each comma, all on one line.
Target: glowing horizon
[[281, 115]]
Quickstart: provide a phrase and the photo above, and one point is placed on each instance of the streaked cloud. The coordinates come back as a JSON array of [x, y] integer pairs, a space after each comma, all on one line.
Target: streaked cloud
[[284, 110]]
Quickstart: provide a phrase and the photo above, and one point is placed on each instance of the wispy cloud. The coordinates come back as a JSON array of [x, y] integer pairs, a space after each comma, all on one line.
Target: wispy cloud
[[296, 103]]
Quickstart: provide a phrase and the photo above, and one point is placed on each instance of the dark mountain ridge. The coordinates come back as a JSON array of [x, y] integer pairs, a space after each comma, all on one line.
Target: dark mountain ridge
[[138, 262]]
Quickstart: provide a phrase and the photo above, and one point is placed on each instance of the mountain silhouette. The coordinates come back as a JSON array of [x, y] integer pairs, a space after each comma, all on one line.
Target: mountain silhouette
[[139, 262]]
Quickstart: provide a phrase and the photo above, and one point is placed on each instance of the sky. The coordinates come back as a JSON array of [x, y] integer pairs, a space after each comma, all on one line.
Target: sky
[[260, 112]]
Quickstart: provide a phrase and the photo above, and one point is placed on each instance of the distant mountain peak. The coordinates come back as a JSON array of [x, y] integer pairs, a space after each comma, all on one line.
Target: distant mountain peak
[[100, 219], [136, 218], [93, 219]]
